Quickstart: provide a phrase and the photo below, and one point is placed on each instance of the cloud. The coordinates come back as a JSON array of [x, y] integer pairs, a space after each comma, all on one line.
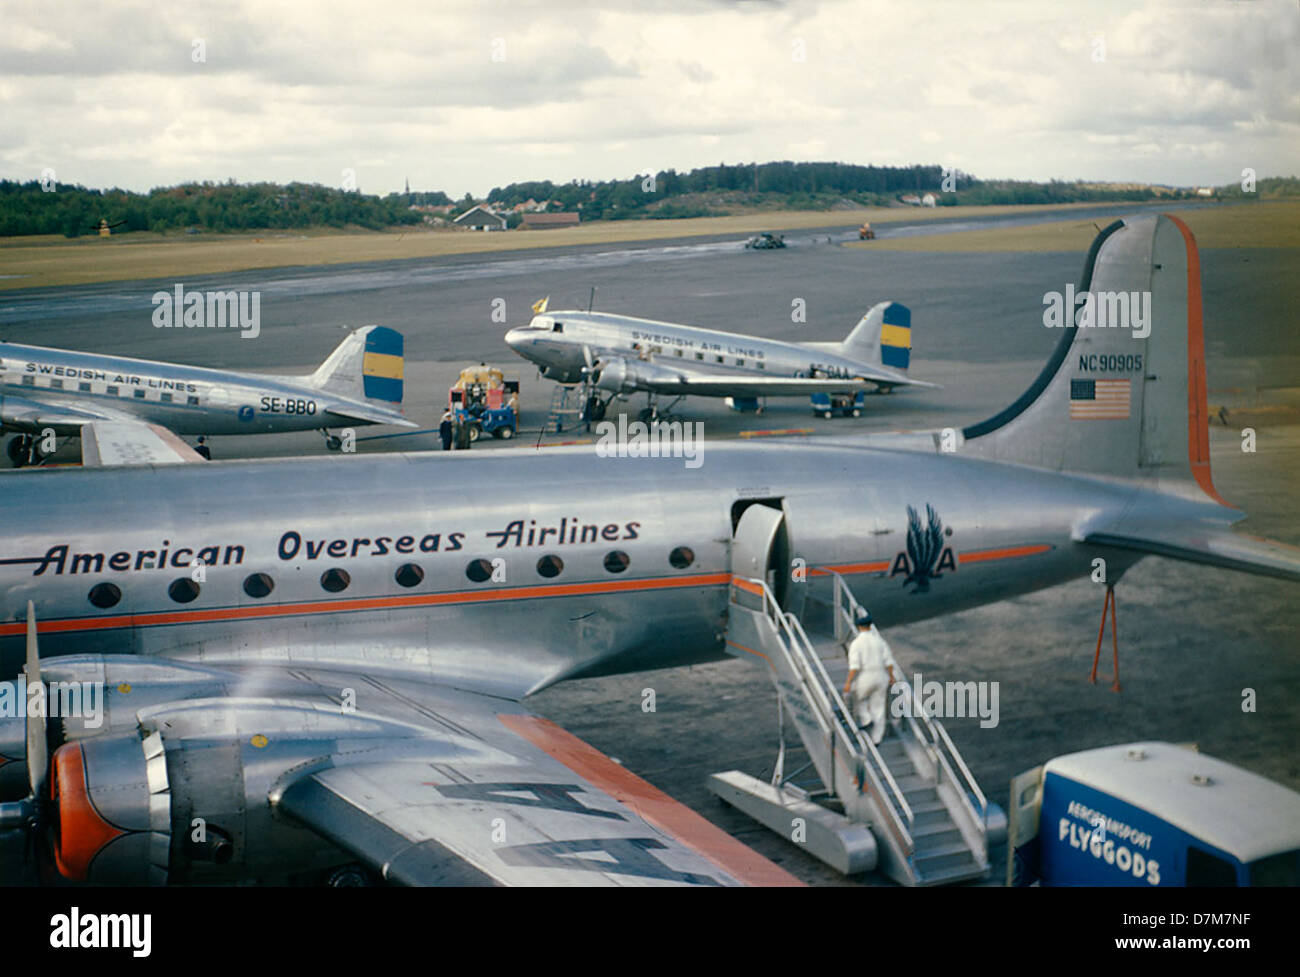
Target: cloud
[[466, 95]]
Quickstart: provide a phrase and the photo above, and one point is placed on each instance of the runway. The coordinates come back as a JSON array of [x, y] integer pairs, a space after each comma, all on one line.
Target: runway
[[1192, 639]]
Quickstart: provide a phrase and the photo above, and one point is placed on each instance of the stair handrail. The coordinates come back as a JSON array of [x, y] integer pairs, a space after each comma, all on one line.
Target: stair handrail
[[863, 743], [846, 612], [828, 703]]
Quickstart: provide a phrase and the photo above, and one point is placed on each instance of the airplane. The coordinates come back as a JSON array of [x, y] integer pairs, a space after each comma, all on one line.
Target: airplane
[[620, 355], [322, 663], [116, 404]]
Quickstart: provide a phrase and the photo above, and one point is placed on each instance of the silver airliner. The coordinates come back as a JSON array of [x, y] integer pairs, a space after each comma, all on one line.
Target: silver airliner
[[617, 355], [322, 662], [115, 404]]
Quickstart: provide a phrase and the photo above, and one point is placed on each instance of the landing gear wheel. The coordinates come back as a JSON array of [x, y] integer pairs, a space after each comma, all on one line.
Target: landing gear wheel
[[595, 409], [504, 433], [333, 442], [647, 415], [18, 449], [346, 876]]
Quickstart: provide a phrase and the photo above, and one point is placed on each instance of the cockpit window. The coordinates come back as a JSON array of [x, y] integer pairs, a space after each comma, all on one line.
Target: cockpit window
[[558, 327]]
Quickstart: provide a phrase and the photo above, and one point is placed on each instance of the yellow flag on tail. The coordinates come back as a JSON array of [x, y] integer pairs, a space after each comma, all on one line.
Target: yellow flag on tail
[[540, 306]]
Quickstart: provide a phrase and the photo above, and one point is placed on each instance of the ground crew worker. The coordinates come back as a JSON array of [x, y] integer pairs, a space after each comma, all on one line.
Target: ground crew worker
[[202, 450], [445, 430], [870, 678]]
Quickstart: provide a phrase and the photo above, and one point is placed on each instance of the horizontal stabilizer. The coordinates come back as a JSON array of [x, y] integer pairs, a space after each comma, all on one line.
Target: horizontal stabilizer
[[1211, 544]]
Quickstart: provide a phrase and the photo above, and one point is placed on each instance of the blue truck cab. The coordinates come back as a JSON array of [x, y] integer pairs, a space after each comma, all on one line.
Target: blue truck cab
[[1150, 814]]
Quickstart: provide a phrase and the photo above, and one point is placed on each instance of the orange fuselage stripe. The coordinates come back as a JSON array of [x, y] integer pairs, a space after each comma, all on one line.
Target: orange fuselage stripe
[[366, 604], [672, 817]]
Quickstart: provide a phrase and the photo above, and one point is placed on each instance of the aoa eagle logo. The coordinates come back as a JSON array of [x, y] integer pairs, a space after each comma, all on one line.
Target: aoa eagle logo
[[927, 556]]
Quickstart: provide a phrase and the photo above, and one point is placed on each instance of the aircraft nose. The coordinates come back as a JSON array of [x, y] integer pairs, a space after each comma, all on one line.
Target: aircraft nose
[[515, 338]]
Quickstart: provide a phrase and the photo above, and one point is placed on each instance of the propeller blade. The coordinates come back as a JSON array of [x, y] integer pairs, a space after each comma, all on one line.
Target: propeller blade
[[37, 750]]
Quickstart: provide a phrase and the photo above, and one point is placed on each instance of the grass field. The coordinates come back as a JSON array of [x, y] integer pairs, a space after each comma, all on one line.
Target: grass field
[[1275, 224], [27, 262]]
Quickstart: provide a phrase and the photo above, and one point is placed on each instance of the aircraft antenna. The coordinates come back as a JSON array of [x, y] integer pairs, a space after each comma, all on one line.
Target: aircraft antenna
[[592, 300]]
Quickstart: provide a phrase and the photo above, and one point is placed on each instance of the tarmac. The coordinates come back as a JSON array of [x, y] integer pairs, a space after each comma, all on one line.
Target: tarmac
[[1193, 639]]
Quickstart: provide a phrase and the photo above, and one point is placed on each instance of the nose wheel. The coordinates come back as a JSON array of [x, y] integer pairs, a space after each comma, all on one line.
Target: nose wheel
[[332, 441]]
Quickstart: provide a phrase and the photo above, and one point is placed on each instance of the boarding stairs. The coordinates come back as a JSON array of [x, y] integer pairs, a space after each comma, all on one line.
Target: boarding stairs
[[566, 408], [929, 821]]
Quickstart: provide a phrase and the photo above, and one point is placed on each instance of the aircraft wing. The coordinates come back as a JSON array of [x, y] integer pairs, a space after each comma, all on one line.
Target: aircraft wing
[[677, 379], [492, 795], [106, 444], [108, 438], [1214, 544], [369, 414], [63, 417]]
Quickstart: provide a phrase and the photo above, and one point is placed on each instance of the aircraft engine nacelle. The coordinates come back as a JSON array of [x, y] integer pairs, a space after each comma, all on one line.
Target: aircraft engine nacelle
[[170, 778], [623, 376]]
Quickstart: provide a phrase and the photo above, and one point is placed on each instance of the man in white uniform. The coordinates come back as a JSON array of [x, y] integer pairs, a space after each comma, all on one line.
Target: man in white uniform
[[869, 678]]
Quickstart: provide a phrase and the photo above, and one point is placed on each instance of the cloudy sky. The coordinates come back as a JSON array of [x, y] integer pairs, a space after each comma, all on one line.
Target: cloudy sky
[[466, 96]]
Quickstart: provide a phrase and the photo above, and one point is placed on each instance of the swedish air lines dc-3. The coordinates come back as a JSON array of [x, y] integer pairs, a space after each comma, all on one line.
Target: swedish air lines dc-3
[[616, 355], [344, 685], [120, 407]]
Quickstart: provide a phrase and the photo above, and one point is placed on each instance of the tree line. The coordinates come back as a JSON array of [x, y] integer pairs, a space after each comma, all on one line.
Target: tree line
[[73, 210]]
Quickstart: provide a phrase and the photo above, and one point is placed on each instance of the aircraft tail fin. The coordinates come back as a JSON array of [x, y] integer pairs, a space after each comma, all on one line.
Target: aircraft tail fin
[[367, 365], [883, 336], [1123, 393]]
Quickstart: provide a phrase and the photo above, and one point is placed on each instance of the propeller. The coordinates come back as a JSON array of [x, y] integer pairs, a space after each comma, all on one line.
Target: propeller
[[37, 748], [590, 376]]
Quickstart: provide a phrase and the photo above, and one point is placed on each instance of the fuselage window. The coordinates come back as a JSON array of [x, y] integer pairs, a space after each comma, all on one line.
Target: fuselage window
[[699, 356], [84, 387], [191, 400], [29, 381], [550, 566], [165, 398], [335, 580], [479, 570], [721, 359], [183, 590], [616, 561], [104, 595], [111, 391], [408, 575], [682, 557], [739, 361], [56, 384], [258, 585], [139, 394]]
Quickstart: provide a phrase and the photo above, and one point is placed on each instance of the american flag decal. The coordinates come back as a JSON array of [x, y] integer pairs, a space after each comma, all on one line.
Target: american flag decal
[[1099, 400]]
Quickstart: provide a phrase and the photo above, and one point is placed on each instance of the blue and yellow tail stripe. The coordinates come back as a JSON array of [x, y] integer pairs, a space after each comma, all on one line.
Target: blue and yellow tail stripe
[[381, 366], [896, 337]]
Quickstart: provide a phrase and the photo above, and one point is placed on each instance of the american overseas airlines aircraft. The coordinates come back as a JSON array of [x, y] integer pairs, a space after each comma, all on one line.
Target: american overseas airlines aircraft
[[324, 661], [618, 355], [120, 407]]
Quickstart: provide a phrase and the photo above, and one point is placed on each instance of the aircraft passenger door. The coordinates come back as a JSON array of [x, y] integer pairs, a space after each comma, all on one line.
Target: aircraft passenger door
[[760, 546]]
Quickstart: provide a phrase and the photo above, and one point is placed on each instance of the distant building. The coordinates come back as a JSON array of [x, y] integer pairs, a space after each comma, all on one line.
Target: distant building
[[479, 218], [542, 221], [929, 200], [911, 198], [1205, 191]]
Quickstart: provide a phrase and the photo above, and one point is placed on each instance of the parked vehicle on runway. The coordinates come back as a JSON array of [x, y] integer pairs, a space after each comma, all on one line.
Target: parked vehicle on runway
[[483, 401], [1148, 814], [767, 241], [118, 405], [866, 232]]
